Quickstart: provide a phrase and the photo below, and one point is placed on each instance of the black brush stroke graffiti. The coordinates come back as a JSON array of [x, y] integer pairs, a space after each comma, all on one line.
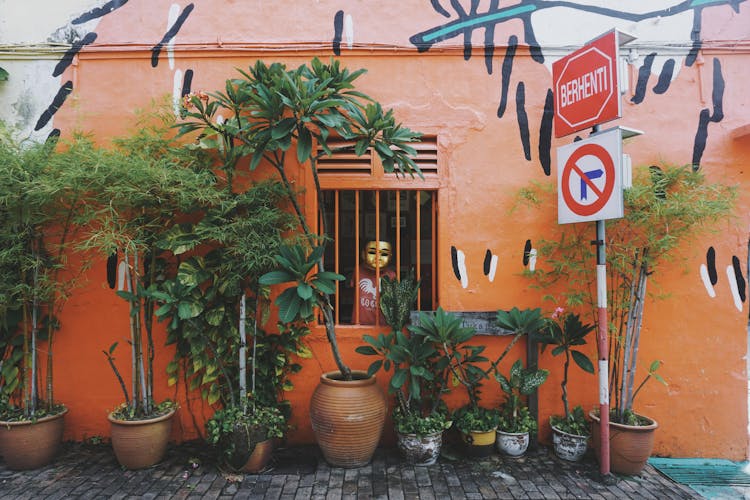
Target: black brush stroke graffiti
[[717, 96], [187, 82], [338, 28], [545, 133], [53, 136], [535, 50], [507, 69], [489, 42], [454, 261], [99, 11], [695, 36], [665, 77], [706, 117], [112, 270], [58, 101], [67, 59], [644, 72], [464, 24], [487, 262], [701, 135], [739, 277], [523, 120], [171, 33], [439, 8], [526, 253], [711, 266]]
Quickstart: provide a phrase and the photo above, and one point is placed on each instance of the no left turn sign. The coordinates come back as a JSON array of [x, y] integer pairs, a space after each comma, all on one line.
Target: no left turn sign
[[589, 179]]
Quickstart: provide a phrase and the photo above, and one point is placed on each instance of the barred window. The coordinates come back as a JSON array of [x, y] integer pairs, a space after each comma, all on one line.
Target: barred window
[[363, 205]]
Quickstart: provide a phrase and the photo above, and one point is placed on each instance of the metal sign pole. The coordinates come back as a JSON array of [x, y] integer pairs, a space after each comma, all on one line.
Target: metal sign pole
[[603, 348]]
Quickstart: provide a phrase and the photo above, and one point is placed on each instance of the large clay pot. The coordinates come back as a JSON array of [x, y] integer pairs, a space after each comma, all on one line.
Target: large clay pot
[[420, 450], [29, 445], [140, 443], [347, 418], [629, 445]]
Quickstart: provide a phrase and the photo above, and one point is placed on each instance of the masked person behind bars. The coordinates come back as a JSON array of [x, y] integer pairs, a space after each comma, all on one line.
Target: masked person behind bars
[[375, 254]]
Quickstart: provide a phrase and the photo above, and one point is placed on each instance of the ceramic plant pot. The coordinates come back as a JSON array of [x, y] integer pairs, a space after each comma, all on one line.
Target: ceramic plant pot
[[629, 445], [512, 444], [420, 450], [570, 447], [479, 443], [260, 457], [140, 443], [347, 418], [29, 445]]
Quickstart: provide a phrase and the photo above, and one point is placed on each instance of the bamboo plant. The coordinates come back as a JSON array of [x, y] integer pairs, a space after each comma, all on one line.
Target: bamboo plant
[[44, 192], [143, 184], [666, 207]]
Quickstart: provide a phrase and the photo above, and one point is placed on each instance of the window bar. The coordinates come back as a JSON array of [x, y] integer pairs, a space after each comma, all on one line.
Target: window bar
[[433, 236], [336, 231], [377, 257], [355, 307], [418, 213], [397, 243]]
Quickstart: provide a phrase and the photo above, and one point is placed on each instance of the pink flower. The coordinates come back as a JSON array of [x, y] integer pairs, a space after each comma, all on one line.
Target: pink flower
[[558, 312]]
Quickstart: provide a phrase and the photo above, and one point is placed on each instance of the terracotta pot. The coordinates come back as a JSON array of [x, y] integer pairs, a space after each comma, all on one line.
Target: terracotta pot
[[260, 457], [570, 447], [420, 450], [479, 443], [513, 444], [30, 445], [347, 418], [140, 443], [629, 445]]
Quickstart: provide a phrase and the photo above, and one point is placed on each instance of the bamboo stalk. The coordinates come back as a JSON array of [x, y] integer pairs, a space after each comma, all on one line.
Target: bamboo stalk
[[243, 348]]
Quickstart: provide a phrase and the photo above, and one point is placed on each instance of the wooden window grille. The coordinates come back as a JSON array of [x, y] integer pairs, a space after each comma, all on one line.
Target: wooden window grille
[[363, 203]]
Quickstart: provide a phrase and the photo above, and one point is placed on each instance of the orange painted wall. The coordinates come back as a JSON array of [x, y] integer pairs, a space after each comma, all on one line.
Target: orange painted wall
[[702, 340]]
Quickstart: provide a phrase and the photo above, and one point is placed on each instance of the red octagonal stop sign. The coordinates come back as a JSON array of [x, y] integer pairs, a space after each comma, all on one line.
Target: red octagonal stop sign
[[586, 91]]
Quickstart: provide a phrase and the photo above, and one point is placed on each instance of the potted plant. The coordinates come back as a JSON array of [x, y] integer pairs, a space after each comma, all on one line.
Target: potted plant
[[462, 363], [419, 374], [571, 431], [271, 111], [666, 207], [515, 422], [143, 185], [43, 193], [205, 306]]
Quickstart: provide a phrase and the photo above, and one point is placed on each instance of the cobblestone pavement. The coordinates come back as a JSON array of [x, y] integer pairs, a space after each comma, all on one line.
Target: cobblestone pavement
[[188, 471]]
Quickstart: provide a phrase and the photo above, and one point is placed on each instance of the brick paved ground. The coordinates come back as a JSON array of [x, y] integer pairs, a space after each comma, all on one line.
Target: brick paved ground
[[90, 471]]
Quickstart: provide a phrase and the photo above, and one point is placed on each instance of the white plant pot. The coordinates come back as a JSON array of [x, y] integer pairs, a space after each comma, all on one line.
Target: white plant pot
[[420, 450], [569, 446], [513, 444]]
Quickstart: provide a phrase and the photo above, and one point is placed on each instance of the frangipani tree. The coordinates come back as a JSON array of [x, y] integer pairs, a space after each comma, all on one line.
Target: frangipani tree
[[285, 118]]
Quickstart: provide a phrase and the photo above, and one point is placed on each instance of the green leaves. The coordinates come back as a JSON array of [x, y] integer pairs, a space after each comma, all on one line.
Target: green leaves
[[310, 288], [527, 321], [397, 298]]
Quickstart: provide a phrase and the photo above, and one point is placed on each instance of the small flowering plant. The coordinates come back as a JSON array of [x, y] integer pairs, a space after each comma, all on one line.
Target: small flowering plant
[[565, 331]]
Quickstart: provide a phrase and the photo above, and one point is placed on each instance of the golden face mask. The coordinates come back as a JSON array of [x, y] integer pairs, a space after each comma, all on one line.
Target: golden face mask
[[376, 254]]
